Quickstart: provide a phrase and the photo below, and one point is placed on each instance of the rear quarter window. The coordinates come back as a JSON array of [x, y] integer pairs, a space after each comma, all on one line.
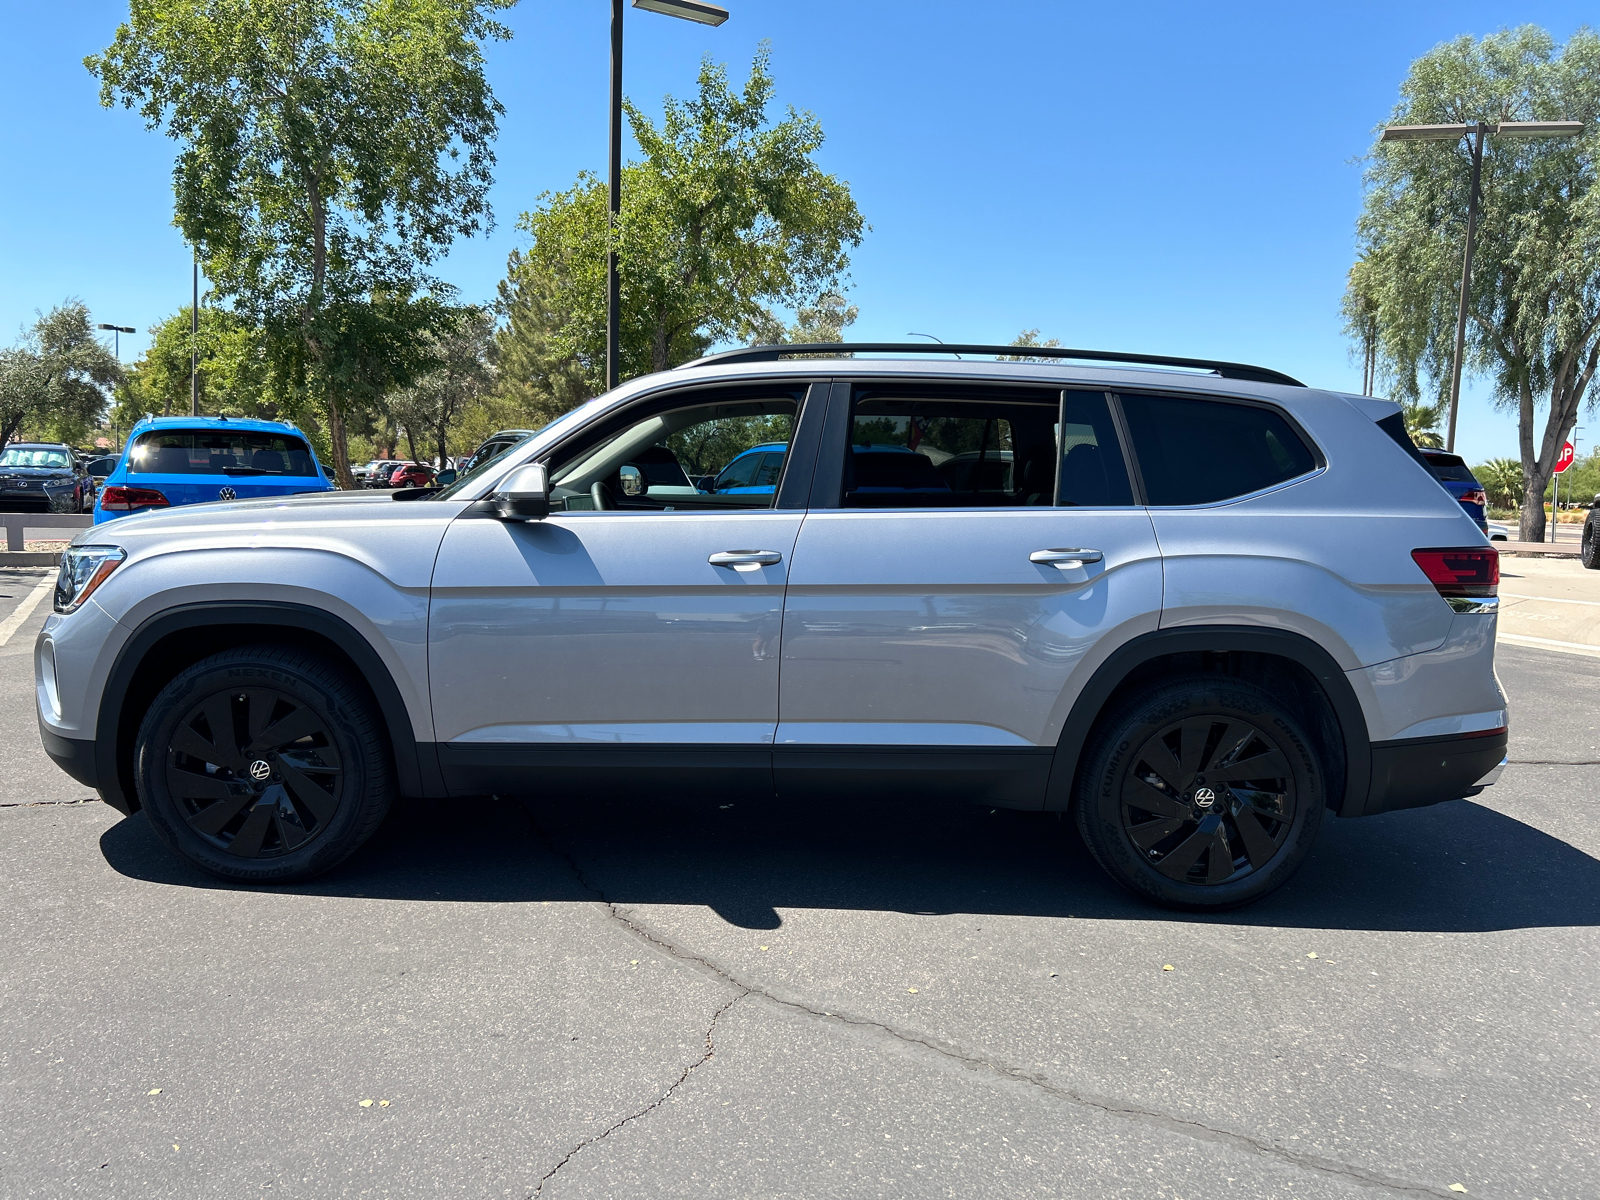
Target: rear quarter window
[[1194, 451]]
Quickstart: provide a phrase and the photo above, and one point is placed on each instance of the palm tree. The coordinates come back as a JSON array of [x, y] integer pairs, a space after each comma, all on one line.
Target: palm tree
[[1422, 422], [1502, 479]]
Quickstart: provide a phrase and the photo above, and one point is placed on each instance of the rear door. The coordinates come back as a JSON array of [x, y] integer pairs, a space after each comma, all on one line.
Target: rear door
[[970, 556]]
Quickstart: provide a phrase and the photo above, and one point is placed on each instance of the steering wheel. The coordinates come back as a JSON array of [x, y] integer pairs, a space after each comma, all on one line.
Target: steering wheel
[[601, 495]]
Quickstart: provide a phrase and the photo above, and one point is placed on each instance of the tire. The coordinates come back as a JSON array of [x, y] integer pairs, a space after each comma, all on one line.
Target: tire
[[1589, 553], [1144, 811], [301, 779]]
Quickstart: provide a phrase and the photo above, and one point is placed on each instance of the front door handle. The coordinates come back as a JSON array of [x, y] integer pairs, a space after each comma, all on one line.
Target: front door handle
[[1065, 560], [745, 560]]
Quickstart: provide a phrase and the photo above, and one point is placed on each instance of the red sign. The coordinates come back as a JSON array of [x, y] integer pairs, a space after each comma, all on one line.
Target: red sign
[[1564, 459]]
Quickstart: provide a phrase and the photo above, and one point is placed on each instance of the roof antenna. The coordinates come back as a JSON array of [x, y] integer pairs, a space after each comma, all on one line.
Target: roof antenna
[[929, 335]]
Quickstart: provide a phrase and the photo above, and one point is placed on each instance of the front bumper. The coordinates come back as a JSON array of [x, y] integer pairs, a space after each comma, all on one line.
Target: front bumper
[[1415, 772]]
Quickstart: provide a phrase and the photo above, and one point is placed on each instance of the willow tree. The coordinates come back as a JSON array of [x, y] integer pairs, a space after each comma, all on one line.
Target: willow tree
[[1534, 307], [331, 151]]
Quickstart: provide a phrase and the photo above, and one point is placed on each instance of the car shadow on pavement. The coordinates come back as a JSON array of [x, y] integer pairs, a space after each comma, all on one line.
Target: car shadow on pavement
[[1457, 867]]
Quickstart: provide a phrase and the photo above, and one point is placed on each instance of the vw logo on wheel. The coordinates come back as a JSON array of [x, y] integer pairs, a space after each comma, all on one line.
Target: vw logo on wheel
[[1203, 797], [260, 770], [227, 493]]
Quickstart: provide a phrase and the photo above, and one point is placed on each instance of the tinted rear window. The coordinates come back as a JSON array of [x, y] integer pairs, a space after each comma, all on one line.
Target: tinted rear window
[[219, 451], [1448, 468], [1202, 451]]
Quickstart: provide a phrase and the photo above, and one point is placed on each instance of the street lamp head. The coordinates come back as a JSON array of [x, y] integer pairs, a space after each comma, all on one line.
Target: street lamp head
[[117, 328], [688, 10], [1539, 128], [1426, 133]]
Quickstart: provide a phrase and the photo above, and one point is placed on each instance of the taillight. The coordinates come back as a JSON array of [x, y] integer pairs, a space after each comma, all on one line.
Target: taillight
[[1474, 496], [126, 499], [1469, 577]]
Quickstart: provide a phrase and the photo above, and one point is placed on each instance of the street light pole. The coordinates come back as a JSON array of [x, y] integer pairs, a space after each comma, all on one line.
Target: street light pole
[[194, 343], [116, 332], [614, 175], [1478, 132], [688, 10]]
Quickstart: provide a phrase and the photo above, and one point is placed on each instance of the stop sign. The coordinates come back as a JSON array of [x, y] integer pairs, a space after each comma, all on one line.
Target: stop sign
[[1564, 459]]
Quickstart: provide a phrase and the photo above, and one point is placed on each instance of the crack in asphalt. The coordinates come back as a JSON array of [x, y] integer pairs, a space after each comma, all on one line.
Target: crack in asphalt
[[47, 803], [972, 1061], [1552, 762], [710, 1053]]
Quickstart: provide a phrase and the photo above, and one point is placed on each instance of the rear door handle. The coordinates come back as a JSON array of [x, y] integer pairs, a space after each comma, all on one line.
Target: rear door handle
[[745, 560], [1065, 560]]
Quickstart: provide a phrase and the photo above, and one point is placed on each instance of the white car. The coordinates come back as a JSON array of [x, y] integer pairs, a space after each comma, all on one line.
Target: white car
[[1499, 531], [1205, 607]]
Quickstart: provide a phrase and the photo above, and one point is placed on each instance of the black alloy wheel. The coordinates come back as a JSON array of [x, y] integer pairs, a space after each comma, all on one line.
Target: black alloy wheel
[[255, 771], [1204, 792], [1208, 798], [263, 764]]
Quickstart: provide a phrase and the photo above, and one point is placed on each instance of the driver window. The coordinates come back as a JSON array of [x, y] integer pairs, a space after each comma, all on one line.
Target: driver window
[[695, 457]]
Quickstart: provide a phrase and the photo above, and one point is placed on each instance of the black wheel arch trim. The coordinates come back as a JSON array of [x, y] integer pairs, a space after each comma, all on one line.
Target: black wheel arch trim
[[416, 764], [1159, 643]]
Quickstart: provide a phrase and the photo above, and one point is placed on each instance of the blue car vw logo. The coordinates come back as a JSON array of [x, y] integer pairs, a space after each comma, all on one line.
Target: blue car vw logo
[[227, 493]]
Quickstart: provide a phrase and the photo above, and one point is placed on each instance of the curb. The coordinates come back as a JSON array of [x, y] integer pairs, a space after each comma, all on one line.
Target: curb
[[30, 558]]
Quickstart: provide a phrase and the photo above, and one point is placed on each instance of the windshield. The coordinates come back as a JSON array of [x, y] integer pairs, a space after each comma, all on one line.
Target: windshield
[[219, 451], [482, 468], [16, 456]]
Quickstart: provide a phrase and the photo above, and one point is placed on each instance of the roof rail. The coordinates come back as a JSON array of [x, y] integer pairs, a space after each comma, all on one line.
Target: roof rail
[[1226, 370]]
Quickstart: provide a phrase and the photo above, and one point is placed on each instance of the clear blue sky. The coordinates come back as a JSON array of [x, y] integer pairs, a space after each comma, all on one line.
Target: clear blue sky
[[1172, 178]]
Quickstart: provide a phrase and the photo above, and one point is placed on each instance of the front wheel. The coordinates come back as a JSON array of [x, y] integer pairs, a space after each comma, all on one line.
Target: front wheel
[[1200, 793], [1589, 554], [263, 764]]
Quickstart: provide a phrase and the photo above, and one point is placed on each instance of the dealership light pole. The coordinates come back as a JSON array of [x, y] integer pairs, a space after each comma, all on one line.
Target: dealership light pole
[[1477, 132], [688, 10], [116, 332]]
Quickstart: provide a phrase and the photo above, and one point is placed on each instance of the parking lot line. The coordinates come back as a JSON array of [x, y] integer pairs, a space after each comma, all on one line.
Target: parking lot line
[[1551, 599], [21, 613], [1522, 639]]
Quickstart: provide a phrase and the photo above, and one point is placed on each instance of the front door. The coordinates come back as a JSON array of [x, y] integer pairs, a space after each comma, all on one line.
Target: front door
[[636, 630], [982, 555]]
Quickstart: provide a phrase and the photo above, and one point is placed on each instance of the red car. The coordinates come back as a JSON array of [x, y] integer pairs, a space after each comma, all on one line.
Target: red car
[[410, 475]]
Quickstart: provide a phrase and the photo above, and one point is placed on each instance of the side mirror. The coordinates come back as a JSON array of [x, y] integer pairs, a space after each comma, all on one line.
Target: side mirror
[[445, 478], [632, 480], [525, 494]]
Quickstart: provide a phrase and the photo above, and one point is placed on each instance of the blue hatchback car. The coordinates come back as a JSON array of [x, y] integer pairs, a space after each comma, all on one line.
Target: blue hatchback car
[[190, 460]]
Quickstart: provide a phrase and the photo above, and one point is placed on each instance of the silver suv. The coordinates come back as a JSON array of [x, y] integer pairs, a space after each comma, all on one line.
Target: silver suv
[[1195, 605]]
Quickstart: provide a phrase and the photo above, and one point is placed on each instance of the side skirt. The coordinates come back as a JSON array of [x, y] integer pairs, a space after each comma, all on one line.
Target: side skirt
[[1001, 777]]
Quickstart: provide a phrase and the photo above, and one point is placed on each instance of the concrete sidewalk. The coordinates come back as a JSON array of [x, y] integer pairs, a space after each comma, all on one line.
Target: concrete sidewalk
[[1551, 603]]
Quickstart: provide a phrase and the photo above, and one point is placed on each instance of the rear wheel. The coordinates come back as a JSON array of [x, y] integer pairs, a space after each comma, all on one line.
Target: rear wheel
[[263, 764], [1590, 553], [1200, 793]]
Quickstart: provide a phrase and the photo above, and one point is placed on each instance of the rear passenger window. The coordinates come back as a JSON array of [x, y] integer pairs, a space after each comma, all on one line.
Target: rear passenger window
[[1028, 450], [1202, 451]]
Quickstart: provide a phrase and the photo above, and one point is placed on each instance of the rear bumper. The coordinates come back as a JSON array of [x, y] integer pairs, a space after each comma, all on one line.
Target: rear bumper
[[1415, 772]]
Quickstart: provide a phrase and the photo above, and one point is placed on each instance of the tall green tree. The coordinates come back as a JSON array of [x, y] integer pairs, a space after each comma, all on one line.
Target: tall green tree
[[234, 372], [1534, 307], [331, 150], [55, 382], [726, 218]]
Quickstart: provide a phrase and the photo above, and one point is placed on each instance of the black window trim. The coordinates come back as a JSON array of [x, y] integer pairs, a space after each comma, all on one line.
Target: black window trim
[[827, 491], [811, 402], [1319, 460]]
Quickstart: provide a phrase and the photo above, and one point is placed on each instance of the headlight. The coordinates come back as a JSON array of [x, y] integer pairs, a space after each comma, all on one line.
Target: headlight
[[84, 568]]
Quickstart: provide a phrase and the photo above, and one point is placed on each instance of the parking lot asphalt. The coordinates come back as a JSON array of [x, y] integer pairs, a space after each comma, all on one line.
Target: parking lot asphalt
[[571, 997]]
